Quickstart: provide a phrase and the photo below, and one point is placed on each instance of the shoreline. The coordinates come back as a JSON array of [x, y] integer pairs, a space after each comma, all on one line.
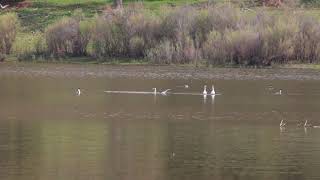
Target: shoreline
[[147, 71]]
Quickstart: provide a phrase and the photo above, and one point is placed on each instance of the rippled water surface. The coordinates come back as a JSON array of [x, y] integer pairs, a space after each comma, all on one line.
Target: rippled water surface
[[47, 132]]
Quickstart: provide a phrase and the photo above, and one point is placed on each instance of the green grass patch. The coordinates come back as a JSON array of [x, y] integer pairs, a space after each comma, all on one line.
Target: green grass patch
[[70, 2], [300, 66], [41, 13]]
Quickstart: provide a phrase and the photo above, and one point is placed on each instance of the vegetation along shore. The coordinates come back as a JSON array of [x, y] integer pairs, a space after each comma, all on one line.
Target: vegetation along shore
[[200, 33]]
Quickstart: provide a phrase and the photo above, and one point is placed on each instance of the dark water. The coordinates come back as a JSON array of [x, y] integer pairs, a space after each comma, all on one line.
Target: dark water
[[47, 132]]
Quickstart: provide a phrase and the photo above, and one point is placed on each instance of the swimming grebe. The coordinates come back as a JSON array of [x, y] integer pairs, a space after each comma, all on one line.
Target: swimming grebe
[[204, 90], [279, 92], [78, 92], [282, 124], [165, 92], [212, 91]]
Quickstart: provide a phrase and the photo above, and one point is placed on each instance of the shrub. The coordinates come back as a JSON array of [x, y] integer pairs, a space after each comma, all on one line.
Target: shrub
[[124, 34], [8, 30], [201, 26], [278, 41], [177, 24], [29, 46], [108, 40], [68, 36], [162, 53], [2, 57], [216, 49], [245, 46], [234, 47], [167, 52], [308, 40], [220, 34], [136, 46], [61, 37], [224, 17]]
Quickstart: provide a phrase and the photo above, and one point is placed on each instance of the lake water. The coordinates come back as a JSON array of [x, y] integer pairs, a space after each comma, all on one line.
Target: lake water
[[47, 132]]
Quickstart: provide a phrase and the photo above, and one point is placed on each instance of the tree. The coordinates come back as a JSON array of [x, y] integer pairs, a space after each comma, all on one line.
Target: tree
[[118, 3]]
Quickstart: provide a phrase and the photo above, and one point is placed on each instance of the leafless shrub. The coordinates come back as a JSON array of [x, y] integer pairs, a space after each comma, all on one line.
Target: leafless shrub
[[8, 30]]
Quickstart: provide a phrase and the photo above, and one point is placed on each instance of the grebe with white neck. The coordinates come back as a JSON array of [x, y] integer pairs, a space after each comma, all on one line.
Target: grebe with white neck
[[279, 92], [282, 124], [306, 124], [212, 91], [154, 90], [165, 92], [78, 92], [204, 90], [162, 93]]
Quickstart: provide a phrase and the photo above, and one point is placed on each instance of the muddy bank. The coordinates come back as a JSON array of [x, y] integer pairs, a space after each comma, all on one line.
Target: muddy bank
[[155, 72]]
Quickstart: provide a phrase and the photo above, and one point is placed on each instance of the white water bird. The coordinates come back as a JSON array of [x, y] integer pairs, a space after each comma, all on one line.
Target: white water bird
[[282, 124], [3, 7], [165, 92], [279, 92], [154, 90], [78, 92], [306, 124], [204, 90], [212, 91]]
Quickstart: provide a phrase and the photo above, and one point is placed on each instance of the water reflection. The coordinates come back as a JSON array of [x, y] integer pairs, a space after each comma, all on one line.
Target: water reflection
[[46, 132], [212, 99], [305, 130], [282, 129], [204, 99]]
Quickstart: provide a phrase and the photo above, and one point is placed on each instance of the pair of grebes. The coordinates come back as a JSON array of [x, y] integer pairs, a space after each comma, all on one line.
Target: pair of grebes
[[186, 86], [305, 124]]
